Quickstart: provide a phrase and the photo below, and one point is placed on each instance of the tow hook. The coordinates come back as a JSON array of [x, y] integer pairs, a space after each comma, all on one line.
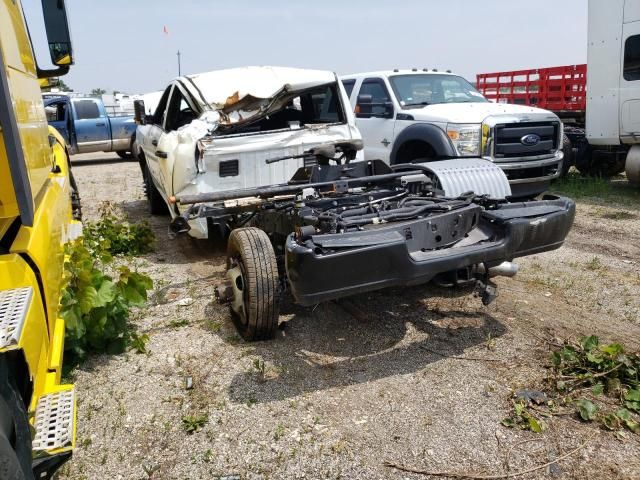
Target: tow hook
[[486, 290], [180, 224]]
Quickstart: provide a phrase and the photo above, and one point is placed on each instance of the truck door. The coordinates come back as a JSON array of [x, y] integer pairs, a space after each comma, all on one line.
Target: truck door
[[58, 117], [151, 146], [91, 126], [375, 121], [630, 81]]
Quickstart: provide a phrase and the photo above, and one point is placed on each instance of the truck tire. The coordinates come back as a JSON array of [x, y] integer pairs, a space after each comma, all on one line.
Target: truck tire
[[250, 253], [15, 435], [127, 154], [154, 198], [567, 162], [590, 163]]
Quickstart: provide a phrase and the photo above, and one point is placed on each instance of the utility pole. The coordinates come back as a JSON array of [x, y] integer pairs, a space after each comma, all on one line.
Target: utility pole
[[178, 54]]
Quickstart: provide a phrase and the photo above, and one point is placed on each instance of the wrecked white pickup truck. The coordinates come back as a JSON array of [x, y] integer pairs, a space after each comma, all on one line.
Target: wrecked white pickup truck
[[212, 131], [270, 155]]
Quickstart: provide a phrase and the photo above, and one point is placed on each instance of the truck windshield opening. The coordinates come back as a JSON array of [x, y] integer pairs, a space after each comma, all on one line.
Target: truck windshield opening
[[428, 89]]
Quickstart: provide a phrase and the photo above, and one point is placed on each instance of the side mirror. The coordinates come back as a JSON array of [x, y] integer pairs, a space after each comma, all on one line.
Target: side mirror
[[58, 36], [139, 112], [365, 108], [364, 103], [388, 110]]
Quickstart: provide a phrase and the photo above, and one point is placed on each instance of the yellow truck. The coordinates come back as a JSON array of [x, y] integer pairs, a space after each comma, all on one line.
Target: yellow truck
[[37, 412]]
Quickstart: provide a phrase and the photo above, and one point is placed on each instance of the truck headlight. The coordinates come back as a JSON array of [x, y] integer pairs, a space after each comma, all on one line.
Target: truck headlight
[[465, 137]]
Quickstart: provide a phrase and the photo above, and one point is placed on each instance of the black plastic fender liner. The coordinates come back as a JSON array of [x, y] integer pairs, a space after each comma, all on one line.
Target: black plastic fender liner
[[316, 274], [428, 133]]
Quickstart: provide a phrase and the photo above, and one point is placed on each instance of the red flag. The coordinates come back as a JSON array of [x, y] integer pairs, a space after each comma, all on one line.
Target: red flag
[[165, 30]]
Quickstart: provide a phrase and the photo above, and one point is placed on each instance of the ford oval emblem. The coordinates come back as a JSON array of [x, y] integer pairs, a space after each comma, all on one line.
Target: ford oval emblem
[[530, 140]]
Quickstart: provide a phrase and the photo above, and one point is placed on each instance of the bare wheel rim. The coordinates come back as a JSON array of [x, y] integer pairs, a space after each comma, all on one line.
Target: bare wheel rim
[[242, 310]]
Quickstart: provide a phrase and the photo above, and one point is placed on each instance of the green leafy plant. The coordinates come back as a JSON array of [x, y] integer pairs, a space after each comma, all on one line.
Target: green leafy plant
[[98, 297], [96, 306], [279, 433], [523, 418], [112, 235], [193, 423], [139, 342], [601, 382]]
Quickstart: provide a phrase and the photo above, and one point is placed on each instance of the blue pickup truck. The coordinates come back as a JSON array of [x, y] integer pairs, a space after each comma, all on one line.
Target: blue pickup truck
[[85, 125]]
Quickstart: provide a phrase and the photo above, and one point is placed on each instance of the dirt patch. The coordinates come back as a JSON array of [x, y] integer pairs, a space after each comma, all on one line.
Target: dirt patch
[[417, 376]]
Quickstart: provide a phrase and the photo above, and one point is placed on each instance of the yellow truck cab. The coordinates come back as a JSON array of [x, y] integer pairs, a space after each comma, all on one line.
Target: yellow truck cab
[[37, 412]]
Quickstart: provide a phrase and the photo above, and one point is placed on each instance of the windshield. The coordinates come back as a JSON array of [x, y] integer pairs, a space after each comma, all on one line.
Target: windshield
[[419, 90]]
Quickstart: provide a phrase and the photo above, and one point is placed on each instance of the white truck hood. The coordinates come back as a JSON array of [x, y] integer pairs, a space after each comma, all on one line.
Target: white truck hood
[[473, 112]]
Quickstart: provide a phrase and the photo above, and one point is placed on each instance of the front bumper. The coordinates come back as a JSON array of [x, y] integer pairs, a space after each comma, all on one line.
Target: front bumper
[[318, 274], [532, 171]]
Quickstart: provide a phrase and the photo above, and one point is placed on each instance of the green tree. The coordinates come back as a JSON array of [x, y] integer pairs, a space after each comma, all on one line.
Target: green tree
[[58, 84], [98, 91], [63, 86]]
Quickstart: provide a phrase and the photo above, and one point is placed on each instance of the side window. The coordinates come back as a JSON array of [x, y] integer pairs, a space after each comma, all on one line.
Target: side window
[[86, 109], [321, 106], [348, 86], [631, 69], [56, 112], [179, 112], [158, 116], [379, 96]]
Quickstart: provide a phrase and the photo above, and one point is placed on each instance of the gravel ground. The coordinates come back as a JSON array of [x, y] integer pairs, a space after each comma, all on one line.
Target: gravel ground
[[416, 376]]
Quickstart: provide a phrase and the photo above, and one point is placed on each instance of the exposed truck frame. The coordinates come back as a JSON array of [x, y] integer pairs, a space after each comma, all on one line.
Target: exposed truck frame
[[37, 197], [354, 227], [599, 102]]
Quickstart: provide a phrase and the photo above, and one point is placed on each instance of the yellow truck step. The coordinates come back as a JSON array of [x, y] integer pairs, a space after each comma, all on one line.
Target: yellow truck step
[[14, 304], [54, 420]]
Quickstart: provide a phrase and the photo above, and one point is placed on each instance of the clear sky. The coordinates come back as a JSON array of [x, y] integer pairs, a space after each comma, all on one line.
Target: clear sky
[[121, 45]]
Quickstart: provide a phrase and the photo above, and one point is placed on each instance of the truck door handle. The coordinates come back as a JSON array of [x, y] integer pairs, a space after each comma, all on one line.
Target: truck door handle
[[161, 154], [99, 124], [154, 143]]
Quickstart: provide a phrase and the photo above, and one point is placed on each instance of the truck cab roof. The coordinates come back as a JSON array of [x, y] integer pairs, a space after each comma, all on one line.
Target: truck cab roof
[[408, 71]]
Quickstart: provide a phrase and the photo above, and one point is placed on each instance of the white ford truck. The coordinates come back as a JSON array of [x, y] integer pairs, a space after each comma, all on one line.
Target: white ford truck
[[416, 116]]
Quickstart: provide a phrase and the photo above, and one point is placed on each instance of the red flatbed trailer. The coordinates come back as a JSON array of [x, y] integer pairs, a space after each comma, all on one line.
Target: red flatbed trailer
[[559, 89]]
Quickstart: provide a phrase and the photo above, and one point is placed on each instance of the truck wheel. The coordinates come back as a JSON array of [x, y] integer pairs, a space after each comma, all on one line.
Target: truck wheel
[[156, 202], [253, 271], [15, 436], [591, 163], [567, 162]]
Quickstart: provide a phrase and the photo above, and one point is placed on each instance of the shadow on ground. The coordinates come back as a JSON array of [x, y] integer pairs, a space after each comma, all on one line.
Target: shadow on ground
[[360, 339], [394, 334], [79, 163]]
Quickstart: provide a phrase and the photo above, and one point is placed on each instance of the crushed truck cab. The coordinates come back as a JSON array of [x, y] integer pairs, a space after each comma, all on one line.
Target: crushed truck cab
[[211, 131]]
